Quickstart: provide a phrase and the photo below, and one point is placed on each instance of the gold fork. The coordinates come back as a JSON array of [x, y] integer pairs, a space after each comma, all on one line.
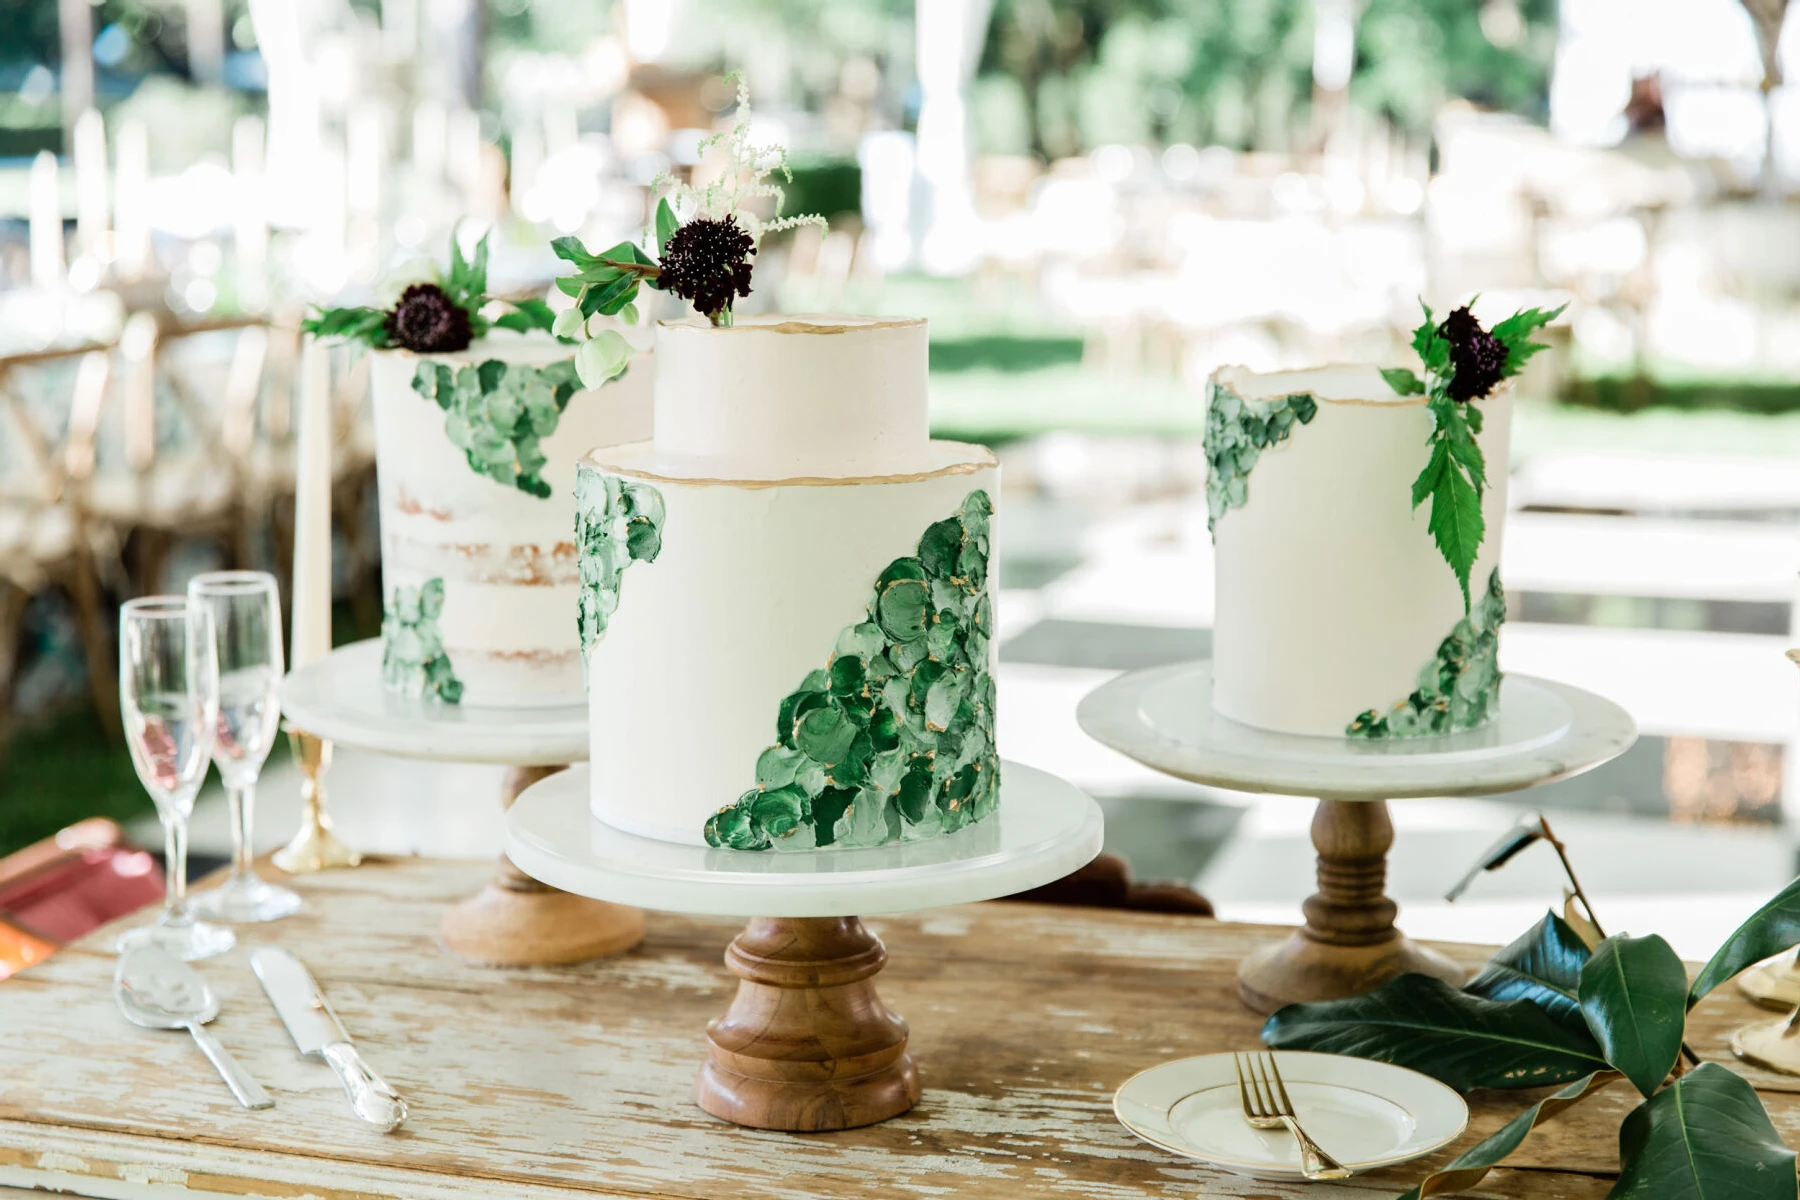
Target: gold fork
[[1266, 1106]]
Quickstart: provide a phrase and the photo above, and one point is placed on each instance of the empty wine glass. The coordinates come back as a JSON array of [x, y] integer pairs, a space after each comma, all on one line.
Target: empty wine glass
[[246, 621], [169, 698]]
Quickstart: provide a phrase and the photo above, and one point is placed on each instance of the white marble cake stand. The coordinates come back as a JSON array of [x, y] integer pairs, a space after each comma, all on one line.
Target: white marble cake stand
[[807, 1044], [1164, 718], [515, 920]]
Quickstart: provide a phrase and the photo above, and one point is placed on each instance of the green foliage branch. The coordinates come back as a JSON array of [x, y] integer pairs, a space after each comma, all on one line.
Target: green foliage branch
[[1551, 1009]]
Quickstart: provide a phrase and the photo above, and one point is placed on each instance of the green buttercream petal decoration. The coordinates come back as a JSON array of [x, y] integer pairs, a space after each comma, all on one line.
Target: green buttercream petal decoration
[[893, 739], [617, 523], [498, 414], [1238, 430], [414, 661], [1459, 688]]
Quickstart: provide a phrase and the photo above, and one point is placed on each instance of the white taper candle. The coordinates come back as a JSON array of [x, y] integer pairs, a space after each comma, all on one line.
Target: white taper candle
[[312, 510]]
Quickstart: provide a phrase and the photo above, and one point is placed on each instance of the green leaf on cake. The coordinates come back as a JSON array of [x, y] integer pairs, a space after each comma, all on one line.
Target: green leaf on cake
[[1515, 332], [498, 413], [1238, 430], [893, 739], [1458, 687], [414, 661], [365, 325], [1456, 522], [526, 316], [666, 224], [1403, 381], [617, 522]]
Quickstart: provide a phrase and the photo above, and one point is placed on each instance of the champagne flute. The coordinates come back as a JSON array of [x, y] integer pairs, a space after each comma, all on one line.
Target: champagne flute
[[246, 621], [169, 698]]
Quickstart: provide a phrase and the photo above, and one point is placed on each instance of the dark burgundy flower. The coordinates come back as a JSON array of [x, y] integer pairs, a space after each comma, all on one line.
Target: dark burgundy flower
[[428, 322], [707, 262], [1477, 357]]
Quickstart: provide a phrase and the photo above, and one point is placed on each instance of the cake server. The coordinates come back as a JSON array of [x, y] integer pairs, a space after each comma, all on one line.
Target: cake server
[[159, 991], [316, 1032]]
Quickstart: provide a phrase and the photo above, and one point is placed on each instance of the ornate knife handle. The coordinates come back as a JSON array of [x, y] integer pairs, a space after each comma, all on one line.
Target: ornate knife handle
[[371, 1098]]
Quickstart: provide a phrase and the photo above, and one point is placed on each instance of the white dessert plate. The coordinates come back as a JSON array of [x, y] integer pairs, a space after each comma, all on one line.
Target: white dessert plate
[[1365, 1114]]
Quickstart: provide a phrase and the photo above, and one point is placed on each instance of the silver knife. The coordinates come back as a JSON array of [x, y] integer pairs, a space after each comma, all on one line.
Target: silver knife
[[315, 1029]]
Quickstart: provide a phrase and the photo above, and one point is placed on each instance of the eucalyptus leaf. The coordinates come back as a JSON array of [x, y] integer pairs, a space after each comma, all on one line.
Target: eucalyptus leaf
[[1542, 965], [893, 738], [1421, 1022], [1771, 929], [1472, 1165], [1704, 1137], [1634, 996]]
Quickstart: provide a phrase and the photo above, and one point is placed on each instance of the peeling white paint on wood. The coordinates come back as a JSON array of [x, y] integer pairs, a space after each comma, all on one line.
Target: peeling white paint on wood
[[567, 1083]]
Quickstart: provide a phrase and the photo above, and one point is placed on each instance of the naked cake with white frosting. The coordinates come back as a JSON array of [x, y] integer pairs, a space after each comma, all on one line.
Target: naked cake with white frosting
[[475, 461]]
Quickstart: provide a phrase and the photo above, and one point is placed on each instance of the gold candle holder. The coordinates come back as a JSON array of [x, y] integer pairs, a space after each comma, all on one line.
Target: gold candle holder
[[315, 847]]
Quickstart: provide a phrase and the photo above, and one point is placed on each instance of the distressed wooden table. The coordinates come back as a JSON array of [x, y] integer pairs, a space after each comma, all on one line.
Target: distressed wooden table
[[575, 1082]]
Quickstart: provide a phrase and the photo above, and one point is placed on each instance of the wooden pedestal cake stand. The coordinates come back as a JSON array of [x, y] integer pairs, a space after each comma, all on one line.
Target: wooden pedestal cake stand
[[514, 921], [807, 1044], [1164, 718]]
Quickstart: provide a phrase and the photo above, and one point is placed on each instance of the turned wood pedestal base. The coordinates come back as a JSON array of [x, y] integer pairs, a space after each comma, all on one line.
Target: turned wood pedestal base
[[1349, 944], [806, 1045], [515, 921]]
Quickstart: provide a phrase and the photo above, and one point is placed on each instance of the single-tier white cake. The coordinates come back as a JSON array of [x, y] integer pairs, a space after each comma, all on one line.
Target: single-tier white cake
[[1334, 613], [785, 598], [477, 496]]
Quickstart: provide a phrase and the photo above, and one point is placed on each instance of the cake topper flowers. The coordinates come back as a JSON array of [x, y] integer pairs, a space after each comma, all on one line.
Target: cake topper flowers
[[1463, 363], [434, 313], [705, 241]]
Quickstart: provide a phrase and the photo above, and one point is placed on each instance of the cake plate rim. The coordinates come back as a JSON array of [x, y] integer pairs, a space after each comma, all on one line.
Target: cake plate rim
[[340, 698], [552, 836], [1227, 755]]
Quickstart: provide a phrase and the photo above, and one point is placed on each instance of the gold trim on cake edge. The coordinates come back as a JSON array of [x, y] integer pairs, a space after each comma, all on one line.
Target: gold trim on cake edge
[[981, 459]]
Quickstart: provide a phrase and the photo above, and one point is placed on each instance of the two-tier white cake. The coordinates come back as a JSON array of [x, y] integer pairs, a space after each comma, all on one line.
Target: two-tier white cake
[[1335, 614], [786, 596], [476, 469]]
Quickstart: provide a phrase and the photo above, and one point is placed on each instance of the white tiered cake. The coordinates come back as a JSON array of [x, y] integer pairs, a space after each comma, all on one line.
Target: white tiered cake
[[785, 596], [1335, 614], [478, 563]]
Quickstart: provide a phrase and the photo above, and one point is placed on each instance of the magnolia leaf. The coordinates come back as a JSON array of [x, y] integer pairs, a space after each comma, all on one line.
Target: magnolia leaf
[[1403, 381], [1472, 1165], [1704, 1137], [1634, 996], [1542, 965], [1456, 524], [1423, 1023], [1771, 929]]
